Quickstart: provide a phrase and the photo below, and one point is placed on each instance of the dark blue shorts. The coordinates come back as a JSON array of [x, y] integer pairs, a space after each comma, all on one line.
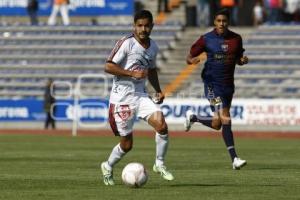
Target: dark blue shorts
[[218, 96]]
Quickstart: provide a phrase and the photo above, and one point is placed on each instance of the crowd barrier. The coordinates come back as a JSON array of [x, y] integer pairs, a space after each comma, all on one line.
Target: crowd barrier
[[243, 111]]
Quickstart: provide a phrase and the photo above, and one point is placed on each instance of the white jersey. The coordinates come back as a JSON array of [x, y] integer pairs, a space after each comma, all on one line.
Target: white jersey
[[129, 54]]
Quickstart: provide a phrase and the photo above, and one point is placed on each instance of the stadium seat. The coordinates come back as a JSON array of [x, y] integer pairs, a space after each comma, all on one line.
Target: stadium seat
[[30, 55]]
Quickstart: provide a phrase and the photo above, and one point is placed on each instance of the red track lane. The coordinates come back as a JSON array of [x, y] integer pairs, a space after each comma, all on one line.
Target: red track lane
[[212, 134]]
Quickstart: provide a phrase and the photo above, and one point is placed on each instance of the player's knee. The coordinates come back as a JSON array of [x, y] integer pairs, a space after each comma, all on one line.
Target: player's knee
[[162, 128], [126, 147], [216, 124], [225, 117], [226, 120]]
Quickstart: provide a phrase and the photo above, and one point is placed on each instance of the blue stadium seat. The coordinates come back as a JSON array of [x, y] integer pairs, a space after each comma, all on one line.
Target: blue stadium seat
[[30, 55]]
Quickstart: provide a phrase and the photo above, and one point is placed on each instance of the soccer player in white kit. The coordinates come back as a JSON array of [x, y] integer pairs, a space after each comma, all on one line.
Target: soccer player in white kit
[[132, 61]]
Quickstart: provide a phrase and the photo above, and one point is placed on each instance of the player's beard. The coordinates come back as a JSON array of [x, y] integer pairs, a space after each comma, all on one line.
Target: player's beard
[[144, 36]]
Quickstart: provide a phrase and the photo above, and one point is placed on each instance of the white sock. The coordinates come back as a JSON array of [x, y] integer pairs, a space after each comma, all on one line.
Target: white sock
[[115, 156], [162, 142]]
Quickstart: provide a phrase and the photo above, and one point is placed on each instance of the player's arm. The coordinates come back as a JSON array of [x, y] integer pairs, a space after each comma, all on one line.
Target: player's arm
[[192, 60], [196, 49], [115, 69], [117, 56], [242, 60], [153, 79]]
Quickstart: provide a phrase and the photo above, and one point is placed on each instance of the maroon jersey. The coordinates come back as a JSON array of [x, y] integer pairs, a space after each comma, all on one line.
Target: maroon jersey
[[223, 52]]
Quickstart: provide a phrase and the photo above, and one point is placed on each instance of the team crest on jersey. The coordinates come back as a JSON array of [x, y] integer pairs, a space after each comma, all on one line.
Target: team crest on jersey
[[124, 112], [224, 47]]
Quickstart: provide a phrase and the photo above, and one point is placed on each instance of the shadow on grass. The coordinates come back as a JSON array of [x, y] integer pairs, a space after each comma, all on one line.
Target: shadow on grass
[[196, 184], [281, 167], [223, 185]]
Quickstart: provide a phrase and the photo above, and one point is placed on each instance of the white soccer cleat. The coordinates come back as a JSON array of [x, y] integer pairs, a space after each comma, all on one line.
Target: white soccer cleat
[[238, 163], [107, 174], [163, 172], [188, 123]]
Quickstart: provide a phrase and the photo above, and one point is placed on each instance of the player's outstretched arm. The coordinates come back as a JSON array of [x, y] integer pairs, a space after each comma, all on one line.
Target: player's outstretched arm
[[115, 69]]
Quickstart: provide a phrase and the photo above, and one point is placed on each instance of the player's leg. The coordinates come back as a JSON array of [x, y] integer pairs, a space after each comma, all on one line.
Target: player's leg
[[118, 152], [227, 132], [151, 113], [228, 138], [157, 121], [121, 121], [191, 118], [214, 122], [123, 147]]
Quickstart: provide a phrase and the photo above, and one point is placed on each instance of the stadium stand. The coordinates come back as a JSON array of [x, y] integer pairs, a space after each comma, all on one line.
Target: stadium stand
[[31, 55], [273, 71]]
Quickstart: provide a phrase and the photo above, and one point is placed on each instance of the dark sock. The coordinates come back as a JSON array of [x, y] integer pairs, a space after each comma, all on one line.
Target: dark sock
[[228, 139], [202, 120]]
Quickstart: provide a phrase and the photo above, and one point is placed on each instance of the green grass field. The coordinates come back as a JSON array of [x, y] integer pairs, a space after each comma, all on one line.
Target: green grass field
[[60, 167]]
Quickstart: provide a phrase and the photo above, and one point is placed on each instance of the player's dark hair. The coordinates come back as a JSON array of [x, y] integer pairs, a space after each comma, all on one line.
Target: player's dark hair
[[223, 11], [143, 14]]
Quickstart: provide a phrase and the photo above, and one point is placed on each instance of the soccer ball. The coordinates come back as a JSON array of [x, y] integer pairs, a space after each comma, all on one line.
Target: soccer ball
[[134, 175]]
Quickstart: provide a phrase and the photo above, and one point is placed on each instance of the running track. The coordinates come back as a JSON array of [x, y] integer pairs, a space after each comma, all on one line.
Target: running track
[[212, 134]]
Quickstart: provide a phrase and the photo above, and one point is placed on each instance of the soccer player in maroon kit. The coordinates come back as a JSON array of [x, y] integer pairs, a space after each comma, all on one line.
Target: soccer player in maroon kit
[[224, 50]]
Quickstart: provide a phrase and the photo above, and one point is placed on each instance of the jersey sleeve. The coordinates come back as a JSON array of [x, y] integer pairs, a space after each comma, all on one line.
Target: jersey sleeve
[[119, 52], [198, 47], [155, 50], [153, 64]]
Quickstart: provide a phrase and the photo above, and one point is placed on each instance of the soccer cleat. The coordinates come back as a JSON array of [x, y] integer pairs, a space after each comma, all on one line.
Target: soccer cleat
[[107, 174], [238, 163], [188, 123], [163, 172]]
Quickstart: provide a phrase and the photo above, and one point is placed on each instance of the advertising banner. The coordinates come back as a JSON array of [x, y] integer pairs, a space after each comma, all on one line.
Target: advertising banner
[[76, 7], [33, 110], [243, 111]]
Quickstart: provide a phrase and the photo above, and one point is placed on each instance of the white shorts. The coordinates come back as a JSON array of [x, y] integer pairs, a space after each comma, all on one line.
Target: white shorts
[[123, 116]]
